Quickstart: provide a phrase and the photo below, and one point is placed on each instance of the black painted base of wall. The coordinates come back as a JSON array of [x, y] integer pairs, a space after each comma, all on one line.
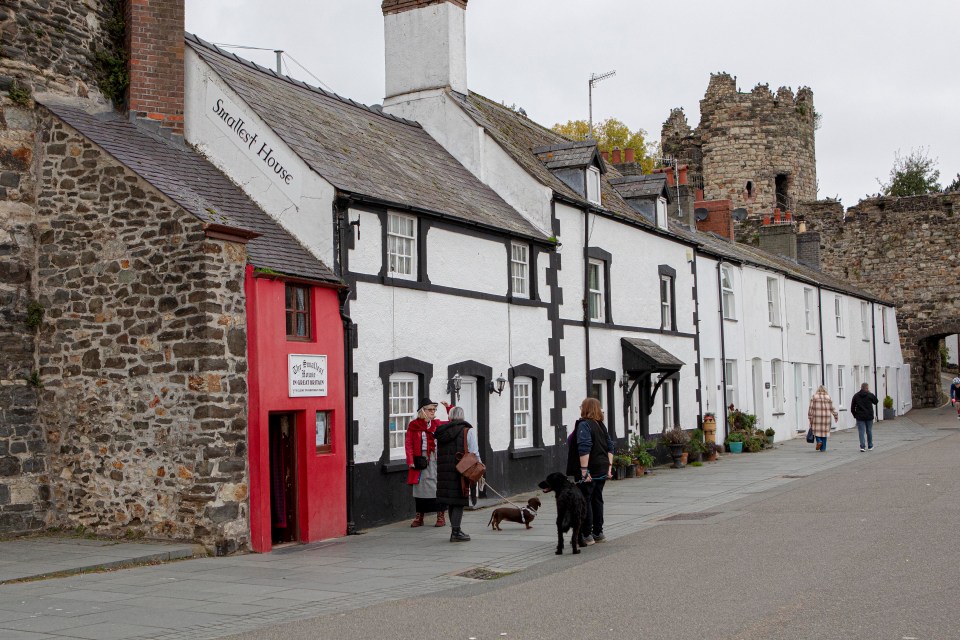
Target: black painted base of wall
[[383, 498]]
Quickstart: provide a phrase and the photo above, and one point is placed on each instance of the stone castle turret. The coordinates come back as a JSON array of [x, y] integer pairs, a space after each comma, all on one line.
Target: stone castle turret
[[755, 149]]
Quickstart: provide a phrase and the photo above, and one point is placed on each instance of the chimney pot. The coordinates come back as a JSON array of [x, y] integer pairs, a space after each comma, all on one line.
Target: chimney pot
[[766, 219], [683, 175], [631, 155], [605, 155], [616, 155]]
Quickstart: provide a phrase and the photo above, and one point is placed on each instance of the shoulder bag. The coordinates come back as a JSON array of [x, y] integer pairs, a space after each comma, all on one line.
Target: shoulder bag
[[469, 465]]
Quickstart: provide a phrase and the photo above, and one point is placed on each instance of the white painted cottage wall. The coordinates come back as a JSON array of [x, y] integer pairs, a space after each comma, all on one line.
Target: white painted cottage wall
[[457, 260], [305, 211], [367, 256]]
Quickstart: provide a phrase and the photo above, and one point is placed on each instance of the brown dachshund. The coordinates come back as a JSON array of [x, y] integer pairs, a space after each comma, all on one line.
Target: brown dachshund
[[522, 515]]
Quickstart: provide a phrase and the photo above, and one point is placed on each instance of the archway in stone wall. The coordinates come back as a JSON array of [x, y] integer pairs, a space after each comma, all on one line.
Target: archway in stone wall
[[926, 374]]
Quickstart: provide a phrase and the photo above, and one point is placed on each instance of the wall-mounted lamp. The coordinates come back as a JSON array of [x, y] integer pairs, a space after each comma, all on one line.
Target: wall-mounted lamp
[[624, 380], [497, 387], [453, 386]]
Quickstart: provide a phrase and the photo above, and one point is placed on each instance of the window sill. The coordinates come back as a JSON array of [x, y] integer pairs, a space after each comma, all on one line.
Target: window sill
[[810, 333], [776, 326], [780, 413], [529, 452], [395, 466], [730, 319]]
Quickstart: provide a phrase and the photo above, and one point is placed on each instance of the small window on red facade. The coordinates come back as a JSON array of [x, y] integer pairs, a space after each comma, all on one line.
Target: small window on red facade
[[298, 312]]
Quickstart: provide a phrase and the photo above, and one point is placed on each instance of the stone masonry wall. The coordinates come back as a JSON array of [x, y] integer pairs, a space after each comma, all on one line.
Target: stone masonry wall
[[906, 250], [142, 354], [50, 45], [24, 484]]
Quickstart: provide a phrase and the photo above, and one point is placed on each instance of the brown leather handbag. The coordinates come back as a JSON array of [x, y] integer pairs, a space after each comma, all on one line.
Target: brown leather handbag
[[469, 465]]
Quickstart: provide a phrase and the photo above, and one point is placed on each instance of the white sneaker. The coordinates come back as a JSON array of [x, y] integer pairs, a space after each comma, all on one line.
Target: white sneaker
[[862, 450], [870, 448]]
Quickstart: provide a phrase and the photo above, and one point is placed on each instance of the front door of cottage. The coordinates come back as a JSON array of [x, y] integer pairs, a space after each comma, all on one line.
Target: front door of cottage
[[284, 525]]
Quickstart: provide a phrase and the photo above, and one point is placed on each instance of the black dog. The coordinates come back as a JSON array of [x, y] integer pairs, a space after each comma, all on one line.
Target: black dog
[[571, 508]]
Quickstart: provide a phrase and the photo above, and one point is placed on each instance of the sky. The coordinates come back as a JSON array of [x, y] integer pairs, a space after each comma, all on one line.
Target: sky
[[884, 75]]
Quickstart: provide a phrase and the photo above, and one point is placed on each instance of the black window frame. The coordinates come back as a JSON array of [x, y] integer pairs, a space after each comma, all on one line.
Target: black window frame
[[424, 372], [665, 271], [536, 413]]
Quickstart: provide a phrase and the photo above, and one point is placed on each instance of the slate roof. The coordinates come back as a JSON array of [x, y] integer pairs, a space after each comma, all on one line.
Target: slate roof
[[652, 354], [520, 137], [712, 244], [570, 154], [361, 150], [646, 186], [201, 189]]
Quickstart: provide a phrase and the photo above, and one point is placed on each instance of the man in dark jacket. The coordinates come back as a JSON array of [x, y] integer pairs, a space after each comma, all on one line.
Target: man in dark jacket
[[862, 409]]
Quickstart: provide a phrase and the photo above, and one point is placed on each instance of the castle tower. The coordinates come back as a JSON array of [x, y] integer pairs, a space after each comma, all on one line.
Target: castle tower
[[755, 149]]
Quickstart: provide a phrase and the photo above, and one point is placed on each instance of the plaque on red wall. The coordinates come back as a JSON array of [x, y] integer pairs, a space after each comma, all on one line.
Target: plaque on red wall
[[306, 375]]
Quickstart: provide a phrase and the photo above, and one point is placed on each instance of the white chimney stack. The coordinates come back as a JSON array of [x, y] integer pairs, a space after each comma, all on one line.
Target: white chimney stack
[[426, 46]]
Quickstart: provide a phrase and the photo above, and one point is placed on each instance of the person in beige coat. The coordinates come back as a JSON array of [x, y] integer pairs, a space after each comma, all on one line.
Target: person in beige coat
[[819, 413]]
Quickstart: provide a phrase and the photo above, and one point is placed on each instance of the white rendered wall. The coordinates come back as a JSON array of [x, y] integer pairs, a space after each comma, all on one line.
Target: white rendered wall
[[467, 262], [426, 48], [304, 207], [367, 254]]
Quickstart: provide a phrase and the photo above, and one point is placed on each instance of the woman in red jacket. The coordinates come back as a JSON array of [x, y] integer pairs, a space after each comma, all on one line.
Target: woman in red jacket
[[421, 448]]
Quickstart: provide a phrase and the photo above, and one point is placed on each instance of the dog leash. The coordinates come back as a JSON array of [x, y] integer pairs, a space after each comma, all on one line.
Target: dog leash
[[508, 501], [592, 478]]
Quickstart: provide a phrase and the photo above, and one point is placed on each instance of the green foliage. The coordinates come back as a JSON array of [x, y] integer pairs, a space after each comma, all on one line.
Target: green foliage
[[674, 436], [110, 62], [738, 420], [266, 270], [696, 444], [20, 94], [944, 352], [622, 459], [612, 133], [35, 313], [696, 463], [736, 436], [753, 443], [34, 380], [913, 175], [888, 403], [955, 185], [770, 432]]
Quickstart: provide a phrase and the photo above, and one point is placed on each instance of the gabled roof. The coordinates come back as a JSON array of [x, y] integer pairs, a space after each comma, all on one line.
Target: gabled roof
[[571, 155], [361, 150], [647, 186], [644, 356], [718, 246], [198, 187], [520, 137]]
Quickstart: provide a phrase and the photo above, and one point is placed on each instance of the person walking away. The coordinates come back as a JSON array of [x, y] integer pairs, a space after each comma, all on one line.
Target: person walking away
[[421, 448], [861, 407], [589, 460], [454, 438], [955, 395], [819, 412]]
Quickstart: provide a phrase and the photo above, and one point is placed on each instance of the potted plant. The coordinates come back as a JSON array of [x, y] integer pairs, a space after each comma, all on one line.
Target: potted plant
[[620, 463], [676, 440], [754, 442], [696, 446], [888, 411], [713, 451], [640, 449], [644, 460], [735, 440], [771, 434]]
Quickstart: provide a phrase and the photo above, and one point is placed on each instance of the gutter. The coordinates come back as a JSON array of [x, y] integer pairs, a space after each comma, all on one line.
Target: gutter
[[723, 349], [340, 267], [586, 299], [823, 369], [873, 330]]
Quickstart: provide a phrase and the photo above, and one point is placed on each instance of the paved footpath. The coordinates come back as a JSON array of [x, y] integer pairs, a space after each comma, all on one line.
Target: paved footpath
[[217, 597]]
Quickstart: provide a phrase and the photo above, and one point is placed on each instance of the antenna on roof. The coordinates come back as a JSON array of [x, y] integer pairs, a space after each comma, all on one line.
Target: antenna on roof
[[594, 79]]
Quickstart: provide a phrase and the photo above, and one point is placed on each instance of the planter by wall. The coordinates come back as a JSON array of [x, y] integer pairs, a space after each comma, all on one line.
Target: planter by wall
[[735, 447], [889, 414], [631, 471]]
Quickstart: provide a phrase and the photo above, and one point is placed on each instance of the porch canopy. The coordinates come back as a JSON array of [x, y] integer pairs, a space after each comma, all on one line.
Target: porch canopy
[[643, 357]]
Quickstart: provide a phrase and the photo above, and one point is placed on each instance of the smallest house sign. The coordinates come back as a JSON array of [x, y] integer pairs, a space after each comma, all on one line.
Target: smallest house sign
[[307, 375]]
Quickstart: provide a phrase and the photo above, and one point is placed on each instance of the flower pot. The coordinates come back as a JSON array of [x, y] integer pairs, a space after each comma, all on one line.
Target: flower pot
[[631, 471], [618, 473], [684, 457], [712, 457], [770, 440], [709, 429], [735, 447], [677, 453], [889, 414], [694, 457], [641, 471]]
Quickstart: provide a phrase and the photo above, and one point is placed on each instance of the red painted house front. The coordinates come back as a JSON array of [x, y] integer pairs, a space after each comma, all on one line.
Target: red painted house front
[[297, 476]]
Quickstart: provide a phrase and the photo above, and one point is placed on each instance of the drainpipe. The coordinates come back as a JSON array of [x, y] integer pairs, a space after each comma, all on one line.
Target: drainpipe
[[696, 332], [873, 331], [341, 266], [823, 371], [723, 350], [586, 298]]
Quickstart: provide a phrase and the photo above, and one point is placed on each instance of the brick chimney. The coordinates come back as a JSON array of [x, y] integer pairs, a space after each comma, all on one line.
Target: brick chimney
[[808, 249], [425, 46], [779, 237], [155, 45], [719, 218]]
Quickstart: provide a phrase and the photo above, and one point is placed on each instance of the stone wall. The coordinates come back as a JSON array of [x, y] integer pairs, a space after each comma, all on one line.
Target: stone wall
[[748, 138], [51, 46], [142, 354], [906, 250]]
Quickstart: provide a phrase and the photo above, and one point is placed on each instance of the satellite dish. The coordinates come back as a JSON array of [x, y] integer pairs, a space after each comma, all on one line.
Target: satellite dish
[[739, 214], [701, 213]]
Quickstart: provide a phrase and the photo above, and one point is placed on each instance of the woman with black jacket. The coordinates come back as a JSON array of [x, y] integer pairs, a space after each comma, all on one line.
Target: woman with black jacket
[[453, 439]]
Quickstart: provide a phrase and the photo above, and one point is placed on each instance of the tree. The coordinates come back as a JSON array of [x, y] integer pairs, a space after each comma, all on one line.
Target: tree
[[612, 133], [955, 185], [913, 175]]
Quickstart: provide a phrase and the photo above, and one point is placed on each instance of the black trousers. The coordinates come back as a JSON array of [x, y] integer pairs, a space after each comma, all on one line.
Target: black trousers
[[593, 492], [456, 515]]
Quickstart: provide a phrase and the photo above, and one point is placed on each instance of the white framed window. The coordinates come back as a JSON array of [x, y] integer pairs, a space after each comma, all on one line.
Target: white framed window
[[841, 402], [593, 185], [595, 290], [522, 412], [814, 380], [666, 302], [828, 381], [776, 384], [728, 299], [773, 302], [808, 310], [667, 390], [883, 321], [403, 409], [662, 213], [865, 320], [730, 375], [402, 246], [838, 314], [520, 269], [598, 390]]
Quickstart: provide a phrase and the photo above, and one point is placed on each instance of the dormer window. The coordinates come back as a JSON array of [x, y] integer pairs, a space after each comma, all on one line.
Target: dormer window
[[662, 212], [593, 185]]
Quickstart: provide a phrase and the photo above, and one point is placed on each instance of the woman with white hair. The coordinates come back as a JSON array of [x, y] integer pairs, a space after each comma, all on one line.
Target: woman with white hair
[[819, 412], [421, 449], [453, 439]]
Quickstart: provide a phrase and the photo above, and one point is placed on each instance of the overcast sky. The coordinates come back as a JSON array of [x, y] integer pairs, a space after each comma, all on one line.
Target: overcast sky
[[885, 75]]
